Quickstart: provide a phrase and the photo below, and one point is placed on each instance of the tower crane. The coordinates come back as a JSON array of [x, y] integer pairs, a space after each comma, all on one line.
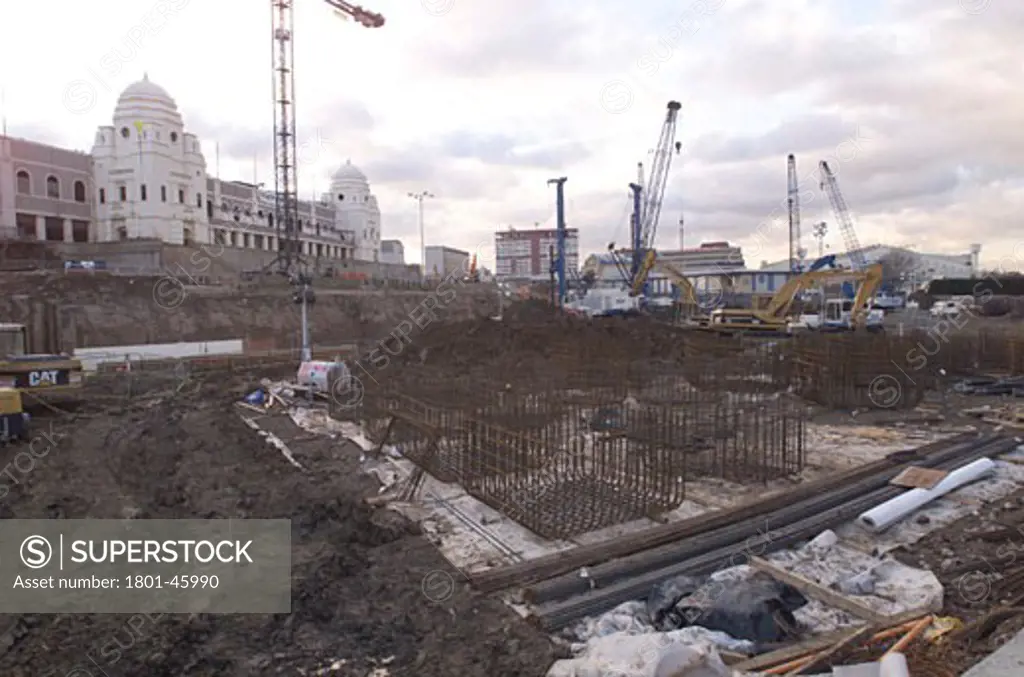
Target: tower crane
[[289, 259], [286, 201], [795, 255], [648, 209]]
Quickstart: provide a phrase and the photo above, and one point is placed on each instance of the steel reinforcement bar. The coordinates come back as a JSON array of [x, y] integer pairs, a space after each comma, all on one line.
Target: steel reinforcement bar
[[549, 566], [605, 574], [556, 615]]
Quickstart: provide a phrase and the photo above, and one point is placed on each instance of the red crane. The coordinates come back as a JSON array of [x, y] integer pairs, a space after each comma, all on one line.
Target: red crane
[[286, 200]]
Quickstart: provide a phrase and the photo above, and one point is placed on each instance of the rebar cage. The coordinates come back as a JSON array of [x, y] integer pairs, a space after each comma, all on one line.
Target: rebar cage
[[564, 453]]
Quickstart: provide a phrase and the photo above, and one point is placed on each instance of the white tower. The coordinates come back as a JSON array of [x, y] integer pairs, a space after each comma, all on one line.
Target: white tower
[[356, 209], [976, 260], [150, 174]]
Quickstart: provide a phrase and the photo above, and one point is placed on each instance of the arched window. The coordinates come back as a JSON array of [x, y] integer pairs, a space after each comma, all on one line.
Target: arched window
[[52, 187], [79, 191], [24, 183]]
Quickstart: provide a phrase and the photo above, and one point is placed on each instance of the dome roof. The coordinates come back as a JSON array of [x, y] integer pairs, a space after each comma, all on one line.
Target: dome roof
[[349, 172], [145, 101]]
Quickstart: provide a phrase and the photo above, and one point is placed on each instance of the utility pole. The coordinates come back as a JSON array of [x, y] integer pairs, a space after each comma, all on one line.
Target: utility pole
[[560, 238], [420, 197]]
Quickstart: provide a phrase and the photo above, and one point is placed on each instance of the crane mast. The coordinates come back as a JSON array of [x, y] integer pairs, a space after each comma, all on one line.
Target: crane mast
[[793, 192], [830, 186], [286, 206], [286, 192]]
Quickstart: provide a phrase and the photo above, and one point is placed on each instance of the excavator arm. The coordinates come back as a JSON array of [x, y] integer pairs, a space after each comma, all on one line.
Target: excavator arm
[[870, 278], [687, 294], [870, 282], [648, 264]]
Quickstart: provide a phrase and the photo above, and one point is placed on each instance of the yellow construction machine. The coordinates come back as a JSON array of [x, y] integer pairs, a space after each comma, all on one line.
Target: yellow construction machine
[[775, 317], [13, 419], [43, 377]]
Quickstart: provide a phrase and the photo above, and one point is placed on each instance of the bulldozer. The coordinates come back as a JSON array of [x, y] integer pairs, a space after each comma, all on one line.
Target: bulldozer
[[43, 377]]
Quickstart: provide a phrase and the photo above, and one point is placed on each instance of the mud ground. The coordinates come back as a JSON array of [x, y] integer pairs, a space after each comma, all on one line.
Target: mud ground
[[369, 592], [980, 562]]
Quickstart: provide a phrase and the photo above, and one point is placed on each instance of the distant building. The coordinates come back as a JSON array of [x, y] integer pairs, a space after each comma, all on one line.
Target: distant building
[[526, 254], [922, 267], [46, 193], [146, 178], [392, 251], [442, 261], [702, 265], [709, 256]]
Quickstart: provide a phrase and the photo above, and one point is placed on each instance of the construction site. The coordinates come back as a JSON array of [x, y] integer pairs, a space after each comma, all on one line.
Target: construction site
[[590, 480], [492, 493]]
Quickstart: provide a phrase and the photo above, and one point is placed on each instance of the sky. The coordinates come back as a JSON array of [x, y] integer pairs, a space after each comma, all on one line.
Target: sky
[[916, 105]]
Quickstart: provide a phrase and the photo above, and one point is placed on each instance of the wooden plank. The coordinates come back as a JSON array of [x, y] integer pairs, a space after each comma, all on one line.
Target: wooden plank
[[820, 643], [818, 591], [822, 657], [790, 652], [916, 477]]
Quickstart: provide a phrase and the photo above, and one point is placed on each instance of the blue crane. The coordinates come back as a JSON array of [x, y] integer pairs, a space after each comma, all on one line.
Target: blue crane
[[559, 262]]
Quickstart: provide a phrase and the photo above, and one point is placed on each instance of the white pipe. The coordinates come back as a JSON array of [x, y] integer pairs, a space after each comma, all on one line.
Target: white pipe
[[882, 517]]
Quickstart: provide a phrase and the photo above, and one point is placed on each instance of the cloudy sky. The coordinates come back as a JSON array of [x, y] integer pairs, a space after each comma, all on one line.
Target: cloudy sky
[[916, 104]]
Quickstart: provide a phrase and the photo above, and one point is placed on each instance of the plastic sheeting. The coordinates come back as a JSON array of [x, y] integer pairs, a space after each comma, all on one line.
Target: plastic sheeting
[[670, 654]]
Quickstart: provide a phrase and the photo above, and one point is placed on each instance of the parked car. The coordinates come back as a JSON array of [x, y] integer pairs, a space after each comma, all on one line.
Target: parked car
[[948, 308]]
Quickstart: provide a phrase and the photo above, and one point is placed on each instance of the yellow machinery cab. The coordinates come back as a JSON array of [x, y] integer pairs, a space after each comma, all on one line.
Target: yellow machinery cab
[[38, 375], [13, 420]]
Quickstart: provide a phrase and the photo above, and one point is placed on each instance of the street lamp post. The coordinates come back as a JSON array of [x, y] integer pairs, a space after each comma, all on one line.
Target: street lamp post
[[820, 230], [419, 197]]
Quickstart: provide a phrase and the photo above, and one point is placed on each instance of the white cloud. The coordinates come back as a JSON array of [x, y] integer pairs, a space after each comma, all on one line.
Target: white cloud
[[481, 103]]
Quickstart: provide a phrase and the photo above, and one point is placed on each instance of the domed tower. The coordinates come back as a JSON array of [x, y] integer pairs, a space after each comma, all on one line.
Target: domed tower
[[356, 210], [150, 173]]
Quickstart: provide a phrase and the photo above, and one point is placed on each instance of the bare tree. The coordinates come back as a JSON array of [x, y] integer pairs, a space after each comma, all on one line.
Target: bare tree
[[897, 265]]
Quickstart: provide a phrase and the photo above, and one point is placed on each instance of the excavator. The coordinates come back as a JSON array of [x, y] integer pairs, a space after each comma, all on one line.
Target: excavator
[[627, 301], [41, 377], [839, 313]]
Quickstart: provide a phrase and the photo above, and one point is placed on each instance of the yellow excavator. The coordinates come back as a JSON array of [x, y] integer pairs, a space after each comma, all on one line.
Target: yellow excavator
[[775, 317], [42, 377]]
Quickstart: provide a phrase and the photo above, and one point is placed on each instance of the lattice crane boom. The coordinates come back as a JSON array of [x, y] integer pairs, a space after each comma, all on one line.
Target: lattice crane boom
[[360, 14], [830, 186], [654, 190]]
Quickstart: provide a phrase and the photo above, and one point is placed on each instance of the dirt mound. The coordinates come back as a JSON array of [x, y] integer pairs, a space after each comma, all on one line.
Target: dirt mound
[[534, 333], [358, 573]]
